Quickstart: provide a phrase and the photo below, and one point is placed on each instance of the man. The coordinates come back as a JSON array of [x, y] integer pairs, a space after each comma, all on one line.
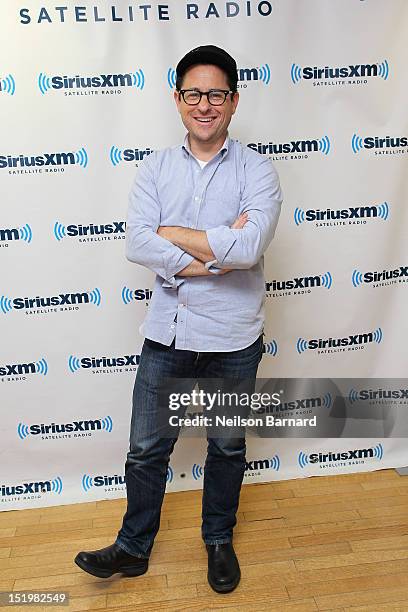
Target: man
[[201, 216]]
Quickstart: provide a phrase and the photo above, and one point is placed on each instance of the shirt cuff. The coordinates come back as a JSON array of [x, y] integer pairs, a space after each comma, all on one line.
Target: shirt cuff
[[173, 282], [221, 239], [174, 267], [211, 267]]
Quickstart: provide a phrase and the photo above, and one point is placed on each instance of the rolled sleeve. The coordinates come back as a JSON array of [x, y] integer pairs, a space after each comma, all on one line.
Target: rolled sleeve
[[262, 199], [173, 268], [221, 240]]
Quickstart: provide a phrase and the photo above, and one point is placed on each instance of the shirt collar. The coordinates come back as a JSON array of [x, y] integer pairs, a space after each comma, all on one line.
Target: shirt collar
[[224, 149]]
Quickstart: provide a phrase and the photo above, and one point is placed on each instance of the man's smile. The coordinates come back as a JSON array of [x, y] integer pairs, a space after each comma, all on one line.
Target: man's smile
[[205, 119]]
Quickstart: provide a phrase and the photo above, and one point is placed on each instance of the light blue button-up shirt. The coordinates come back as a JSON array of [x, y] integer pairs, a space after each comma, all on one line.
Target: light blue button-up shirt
[[216, 312]]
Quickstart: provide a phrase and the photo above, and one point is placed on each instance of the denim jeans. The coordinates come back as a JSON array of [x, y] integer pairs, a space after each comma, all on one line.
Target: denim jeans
[[149, 454]]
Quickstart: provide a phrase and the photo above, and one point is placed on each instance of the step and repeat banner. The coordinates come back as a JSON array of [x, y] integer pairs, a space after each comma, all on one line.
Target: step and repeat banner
[[86, 93]]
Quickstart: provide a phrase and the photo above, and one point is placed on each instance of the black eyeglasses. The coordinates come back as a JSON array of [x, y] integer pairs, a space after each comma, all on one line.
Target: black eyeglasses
[[216, 97]]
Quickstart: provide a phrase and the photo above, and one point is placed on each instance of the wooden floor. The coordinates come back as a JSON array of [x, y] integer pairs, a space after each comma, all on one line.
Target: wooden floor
[[333, 543]]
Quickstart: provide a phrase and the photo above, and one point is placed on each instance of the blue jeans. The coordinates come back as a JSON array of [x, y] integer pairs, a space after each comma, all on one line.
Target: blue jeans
[[149, 454]]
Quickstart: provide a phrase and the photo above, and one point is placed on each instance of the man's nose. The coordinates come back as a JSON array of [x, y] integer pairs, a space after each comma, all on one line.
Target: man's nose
[[204, 105]]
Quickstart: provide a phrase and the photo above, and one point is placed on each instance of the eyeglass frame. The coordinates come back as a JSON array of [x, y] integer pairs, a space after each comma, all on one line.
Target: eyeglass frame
[[181, 93]]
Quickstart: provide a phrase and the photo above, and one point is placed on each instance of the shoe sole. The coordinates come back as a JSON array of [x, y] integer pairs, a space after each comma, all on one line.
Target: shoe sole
[[100, 573], [225, 588]]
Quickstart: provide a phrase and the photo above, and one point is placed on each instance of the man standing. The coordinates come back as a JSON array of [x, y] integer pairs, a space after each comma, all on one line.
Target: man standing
[[201, 216]]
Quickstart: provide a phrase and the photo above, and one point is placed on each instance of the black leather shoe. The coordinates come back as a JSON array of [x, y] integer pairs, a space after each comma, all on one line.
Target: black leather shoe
[[223, 567], [107, 561]]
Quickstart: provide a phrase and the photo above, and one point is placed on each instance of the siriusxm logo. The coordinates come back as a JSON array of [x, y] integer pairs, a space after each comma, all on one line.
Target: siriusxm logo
[[43, 429], [262, 74], [117, 229], [270, 348], [298, 149], [355, 455], [379, 211], [352, 71], [304, 403], [8, 85], [23, 233], [254, 465], [355, 340], [29, 488], [380, 145], [378, 395], [96, 363], [100, 82], [63, 299], [359, 278], [117, 156], [112, 481], [299, 284], [129, 295], [22, 369], [46, 160], [102, 481]]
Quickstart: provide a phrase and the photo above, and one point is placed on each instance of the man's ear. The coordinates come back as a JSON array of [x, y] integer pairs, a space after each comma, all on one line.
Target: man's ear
[[176, 96], [235, 100]]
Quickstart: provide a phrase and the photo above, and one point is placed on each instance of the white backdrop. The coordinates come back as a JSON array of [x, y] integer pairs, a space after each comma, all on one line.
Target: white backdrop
[[85, 93]]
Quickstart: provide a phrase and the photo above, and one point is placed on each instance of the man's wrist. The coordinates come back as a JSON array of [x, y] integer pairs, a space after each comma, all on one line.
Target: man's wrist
[[195, 268]]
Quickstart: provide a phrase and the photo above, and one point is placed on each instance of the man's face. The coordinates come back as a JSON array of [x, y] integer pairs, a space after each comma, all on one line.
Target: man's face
[[206, 124]]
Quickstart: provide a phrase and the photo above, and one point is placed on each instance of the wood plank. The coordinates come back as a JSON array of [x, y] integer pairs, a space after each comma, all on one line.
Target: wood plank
[[372, 556], [94, 602], [272, 526], [388, 543], [73, 546], [52, 527], [329, 488], [36, 570], [7, 532], [373, 485], [60, 536], [136, 597], [347, 536], [379, 522], [345, 585], [11, 519], [321, 518], [401, 509], [6, 585], [39, 559], [370, 598], [353, 498]]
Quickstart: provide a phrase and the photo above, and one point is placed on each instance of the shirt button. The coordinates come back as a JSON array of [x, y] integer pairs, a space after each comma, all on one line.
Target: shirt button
[[172, 326], [181, 305], [196, 198]]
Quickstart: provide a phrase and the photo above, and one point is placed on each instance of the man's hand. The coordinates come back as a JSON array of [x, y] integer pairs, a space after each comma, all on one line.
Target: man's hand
[[197, 268], [240, 221]]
